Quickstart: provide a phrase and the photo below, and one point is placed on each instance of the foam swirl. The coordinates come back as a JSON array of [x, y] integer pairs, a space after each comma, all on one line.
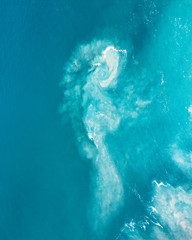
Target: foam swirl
[[91, 72]]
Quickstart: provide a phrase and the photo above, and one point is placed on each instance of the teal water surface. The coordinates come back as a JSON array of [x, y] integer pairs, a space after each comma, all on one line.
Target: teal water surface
[[96, 120]]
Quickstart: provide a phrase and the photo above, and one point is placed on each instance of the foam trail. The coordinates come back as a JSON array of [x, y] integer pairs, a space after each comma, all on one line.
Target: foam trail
[[92, 71]]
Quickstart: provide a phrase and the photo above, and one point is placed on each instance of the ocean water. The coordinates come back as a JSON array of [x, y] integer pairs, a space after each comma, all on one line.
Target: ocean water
[[96, 120]]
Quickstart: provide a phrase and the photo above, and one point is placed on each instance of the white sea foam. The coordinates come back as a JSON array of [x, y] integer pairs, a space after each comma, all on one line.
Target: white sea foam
[[135, 229], [171, 210], [107, 70], [93, 69], [101, 117], [174, 208], [98, 100], [159, 184], [182, 158], [190, 112]]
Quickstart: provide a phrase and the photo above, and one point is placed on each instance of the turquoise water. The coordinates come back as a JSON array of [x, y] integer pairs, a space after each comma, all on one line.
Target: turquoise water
[[96, 120]]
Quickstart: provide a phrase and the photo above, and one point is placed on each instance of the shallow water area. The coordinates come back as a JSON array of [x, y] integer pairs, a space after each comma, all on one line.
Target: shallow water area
[[136, 113]]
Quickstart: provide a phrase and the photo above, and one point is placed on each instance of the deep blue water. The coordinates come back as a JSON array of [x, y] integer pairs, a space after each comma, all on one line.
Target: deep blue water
[[96, 118]]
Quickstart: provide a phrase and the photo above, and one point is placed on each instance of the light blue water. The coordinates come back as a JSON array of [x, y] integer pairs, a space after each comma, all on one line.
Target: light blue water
[[100, 148], [128, 91]]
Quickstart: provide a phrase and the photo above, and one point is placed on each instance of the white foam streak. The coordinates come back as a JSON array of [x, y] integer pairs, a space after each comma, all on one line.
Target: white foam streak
[[111, 59], [159, 184], [90, 73], [100, 118]]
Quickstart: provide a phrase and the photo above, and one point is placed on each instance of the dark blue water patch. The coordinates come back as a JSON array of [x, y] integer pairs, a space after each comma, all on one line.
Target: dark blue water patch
[[40, 166]]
